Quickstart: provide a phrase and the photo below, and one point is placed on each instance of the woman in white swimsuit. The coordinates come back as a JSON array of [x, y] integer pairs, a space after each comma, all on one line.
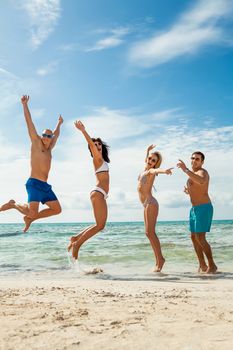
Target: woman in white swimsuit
[[151, 206], [99, 194]]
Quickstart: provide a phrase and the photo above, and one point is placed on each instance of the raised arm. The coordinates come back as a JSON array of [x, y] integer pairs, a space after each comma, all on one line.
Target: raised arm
[[95, 153], [31, 127], [161, 171], [56, 131], [148, 151], [200, 178]]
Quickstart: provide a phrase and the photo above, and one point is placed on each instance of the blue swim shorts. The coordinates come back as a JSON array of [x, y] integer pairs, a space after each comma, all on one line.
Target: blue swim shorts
[[39, 191], [200, 218]]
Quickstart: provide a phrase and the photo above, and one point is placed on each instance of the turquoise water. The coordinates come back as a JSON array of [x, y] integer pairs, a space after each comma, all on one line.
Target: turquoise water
[[121, 250]]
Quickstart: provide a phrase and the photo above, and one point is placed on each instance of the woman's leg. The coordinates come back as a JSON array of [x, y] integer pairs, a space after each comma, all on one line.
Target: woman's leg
[[100, 212], [151, 213], [76, 237], [146, 230]]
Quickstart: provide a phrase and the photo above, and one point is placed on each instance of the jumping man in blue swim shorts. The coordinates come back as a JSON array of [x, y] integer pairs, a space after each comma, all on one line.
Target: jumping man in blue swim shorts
[[201, 212], [39, 191]]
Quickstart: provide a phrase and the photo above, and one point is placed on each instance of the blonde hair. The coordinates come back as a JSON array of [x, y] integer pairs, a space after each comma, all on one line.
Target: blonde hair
[[159, 161]]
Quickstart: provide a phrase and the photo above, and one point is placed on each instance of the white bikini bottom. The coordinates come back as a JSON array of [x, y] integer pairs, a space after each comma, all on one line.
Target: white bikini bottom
[[99, 189]]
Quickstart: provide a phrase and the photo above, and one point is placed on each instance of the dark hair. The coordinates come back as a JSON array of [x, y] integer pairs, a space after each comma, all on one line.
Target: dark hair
[[105, 149], [200, 154]]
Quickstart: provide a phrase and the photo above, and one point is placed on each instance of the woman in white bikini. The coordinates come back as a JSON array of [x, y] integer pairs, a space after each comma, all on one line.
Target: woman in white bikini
[[151, 206], [99, 194]]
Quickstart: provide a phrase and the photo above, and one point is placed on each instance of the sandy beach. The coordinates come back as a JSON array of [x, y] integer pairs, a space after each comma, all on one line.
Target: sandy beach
[[102, 314]]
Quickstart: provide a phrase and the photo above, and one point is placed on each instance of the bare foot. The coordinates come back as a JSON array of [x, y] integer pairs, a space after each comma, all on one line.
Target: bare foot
[[28, 222], [202, 268], [159, 266], [212, 269], [8, 205], [75, 250], [72, 240]]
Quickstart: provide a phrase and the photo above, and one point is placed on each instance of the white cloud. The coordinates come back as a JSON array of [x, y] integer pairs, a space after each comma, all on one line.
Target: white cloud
[[106, 38], [43, 17], [11, 153], [117, 124], [105, 44], [173, 199], [47, 69], [115, 38], [112, 124], [196, 28], [68, 47], [122, 124], [7, 74]]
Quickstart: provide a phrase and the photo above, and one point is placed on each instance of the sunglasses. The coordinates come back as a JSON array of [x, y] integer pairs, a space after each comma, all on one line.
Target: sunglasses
[[152, 159], [49, 136], [194, 158], [98, 143]]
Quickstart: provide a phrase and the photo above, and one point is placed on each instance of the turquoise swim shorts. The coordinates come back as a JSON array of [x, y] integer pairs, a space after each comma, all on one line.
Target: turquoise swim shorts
[[200, 218]]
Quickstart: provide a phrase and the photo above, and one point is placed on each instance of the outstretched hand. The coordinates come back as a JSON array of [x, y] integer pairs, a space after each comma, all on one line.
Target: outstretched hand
[[24, 99], [169, 171], [60, 119], [79, 125], [150, 147], [181, 165]]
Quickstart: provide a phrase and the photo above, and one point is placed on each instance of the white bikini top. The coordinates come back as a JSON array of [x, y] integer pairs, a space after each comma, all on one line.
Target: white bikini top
[[143, 178], [103, 167]]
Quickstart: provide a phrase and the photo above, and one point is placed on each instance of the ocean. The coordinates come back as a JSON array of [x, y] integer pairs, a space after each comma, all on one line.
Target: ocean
[[122, 251]]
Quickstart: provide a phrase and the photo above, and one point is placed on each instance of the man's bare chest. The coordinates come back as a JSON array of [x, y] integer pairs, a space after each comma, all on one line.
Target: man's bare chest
[[41, 154]]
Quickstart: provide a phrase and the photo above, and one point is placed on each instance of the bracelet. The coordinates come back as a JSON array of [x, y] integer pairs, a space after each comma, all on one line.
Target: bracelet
[[186, 170]]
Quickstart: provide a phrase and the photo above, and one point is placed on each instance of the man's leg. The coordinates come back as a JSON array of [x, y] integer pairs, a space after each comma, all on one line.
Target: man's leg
[[54, 208], [200, 237], [31, 214], [22, 208], [7, 205], [198, 249]]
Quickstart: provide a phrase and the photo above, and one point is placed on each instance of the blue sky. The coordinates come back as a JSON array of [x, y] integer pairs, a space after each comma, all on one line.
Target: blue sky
[[136, 73]]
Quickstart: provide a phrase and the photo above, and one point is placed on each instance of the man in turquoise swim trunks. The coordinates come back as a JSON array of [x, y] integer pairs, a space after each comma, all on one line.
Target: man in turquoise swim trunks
[[201, 212], [39, 191]]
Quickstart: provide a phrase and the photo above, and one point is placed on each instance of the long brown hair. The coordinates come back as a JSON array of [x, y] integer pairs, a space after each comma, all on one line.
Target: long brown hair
[[105, 149]]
